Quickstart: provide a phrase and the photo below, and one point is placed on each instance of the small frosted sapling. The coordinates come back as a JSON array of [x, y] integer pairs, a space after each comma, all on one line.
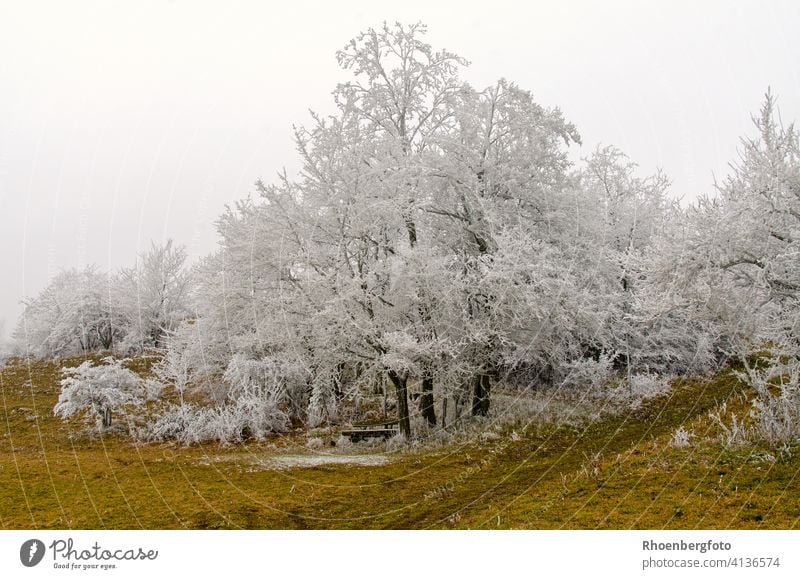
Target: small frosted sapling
[[99, 390]]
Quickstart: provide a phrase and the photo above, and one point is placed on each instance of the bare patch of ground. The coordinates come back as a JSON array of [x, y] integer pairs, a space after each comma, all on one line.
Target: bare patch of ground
[[313, 460], [289, 461]]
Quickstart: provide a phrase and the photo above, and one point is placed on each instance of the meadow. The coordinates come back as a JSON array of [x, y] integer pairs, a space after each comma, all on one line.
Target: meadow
[[618, 470]]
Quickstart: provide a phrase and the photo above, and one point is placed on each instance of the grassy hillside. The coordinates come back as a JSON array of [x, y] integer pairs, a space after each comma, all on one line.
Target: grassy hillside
[[619, 471]]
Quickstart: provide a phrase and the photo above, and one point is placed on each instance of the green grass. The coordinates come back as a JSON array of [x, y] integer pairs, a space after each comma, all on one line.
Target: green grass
[[617, 472]]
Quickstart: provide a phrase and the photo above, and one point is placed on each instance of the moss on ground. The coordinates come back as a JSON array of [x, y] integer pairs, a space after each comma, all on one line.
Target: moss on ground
[[617, 472]]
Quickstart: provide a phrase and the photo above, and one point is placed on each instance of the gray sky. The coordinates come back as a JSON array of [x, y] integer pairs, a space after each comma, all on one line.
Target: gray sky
[[122, 122]]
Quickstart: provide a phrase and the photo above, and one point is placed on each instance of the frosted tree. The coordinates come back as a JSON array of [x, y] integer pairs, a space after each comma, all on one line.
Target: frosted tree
[[402, 95], [500, 170], [618, 217], [377, 256], [743, 242], [151, 297], [71, 315], [741, 249], [348, 225], [760, 221], [87, 310], [100, 390]]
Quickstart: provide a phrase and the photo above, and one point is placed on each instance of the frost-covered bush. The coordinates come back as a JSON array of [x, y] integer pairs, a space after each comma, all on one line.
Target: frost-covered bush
[[636, 388], [250, 417], [588, 372], [397, 442], [278, 380], [178, 423], [246, 376], [680, 438], [776, 408], [322, 404], [192, 361], [99, 390], [243, 419], [343, 441], [645, 386]]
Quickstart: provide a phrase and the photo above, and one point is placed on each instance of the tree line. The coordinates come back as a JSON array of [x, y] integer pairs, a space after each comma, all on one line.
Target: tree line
[[439, 240]]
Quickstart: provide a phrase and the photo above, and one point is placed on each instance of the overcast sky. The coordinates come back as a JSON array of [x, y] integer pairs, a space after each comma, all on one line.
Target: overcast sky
[[125, 122]]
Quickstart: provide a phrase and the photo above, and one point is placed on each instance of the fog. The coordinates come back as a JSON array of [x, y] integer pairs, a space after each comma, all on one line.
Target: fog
[[122, 123]]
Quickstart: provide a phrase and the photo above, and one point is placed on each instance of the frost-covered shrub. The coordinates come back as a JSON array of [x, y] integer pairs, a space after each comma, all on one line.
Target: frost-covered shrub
[[282, 381], [397, 442], [322, 404], [343, 441], [99, 390], [177, 366], [648, 385], [680, 438], [152, 389], [178, 423], [669, 336], [636, 388], [246, 418], [776, 409], [246, 376], [588, 372], [731, 431], [252, 417]]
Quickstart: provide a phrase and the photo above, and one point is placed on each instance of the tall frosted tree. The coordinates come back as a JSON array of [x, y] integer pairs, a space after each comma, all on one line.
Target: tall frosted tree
[[743, 242], [386, 252], [499, 173], [752, 261], [151, 297]]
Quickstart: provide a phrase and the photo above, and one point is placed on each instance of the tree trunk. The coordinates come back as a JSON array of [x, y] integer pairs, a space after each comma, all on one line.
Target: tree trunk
[[481, 387], [486, 379], [384, 393], [106, 418], [401, 389], [426, 401], [338, 377]]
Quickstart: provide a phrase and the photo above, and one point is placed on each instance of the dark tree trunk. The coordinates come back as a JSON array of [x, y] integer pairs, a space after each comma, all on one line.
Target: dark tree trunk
[[105, 334], [426, 401], [487, 390], [338, 376], [412, 231], [401, 389], [106, 418], [481, 388]]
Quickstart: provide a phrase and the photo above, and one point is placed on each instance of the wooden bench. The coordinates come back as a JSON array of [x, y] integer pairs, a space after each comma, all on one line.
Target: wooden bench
[[385, 429]]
